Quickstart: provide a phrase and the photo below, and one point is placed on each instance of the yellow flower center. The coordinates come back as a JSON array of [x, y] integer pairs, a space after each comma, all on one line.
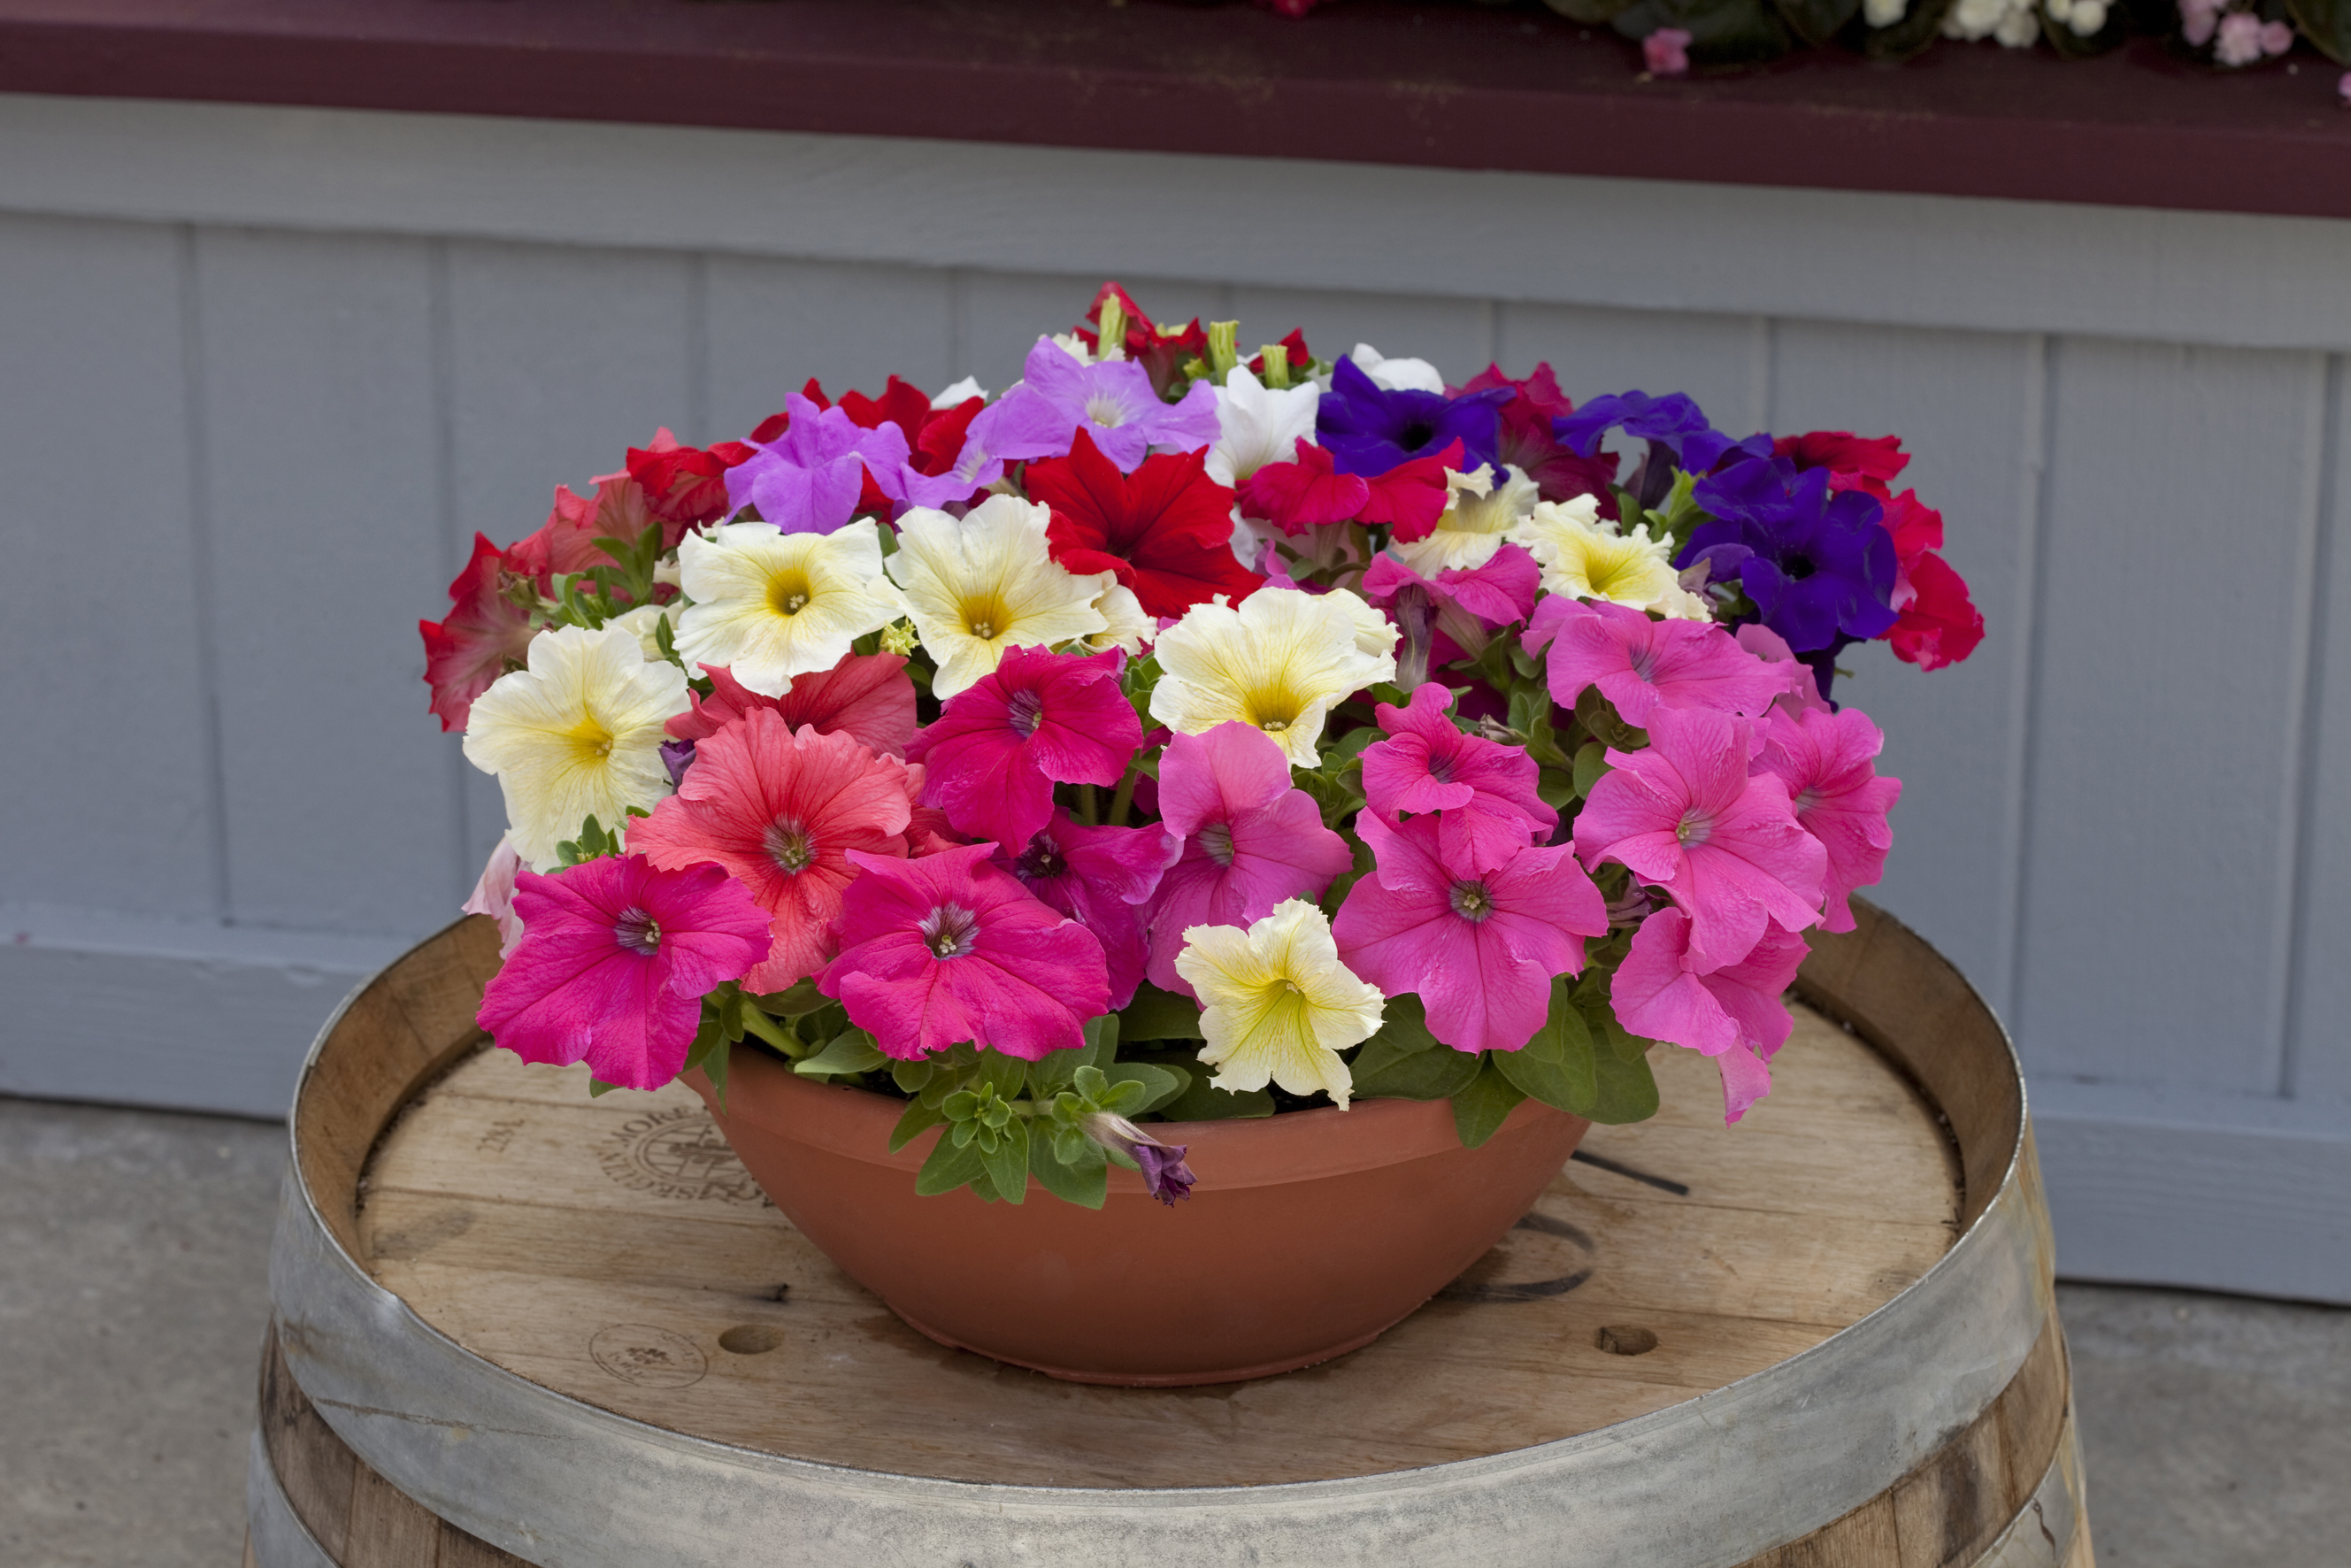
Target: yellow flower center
[[1273, 711], [986, 617], [788, 592], [593, 741]]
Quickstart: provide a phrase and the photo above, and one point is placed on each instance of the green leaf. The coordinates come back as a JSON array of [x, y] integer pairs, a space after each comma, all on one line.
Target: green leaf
[[1628, 1092], [1083, 1180], [1591, 762], [2326, 23], [1202, 1101], [1101, 1041], [1481, 1106], [1557, 1066], [1054, 1071], [714, 1069], [848, 1053], [910, 1076], [1336, 893], [1156, 1014], [1404, 1031], [1006, 1161], [755, 1021], [1591, 13], [1818, 21], [795, 1000], [915, 1119], [951, 1165], [1160, 1084], [1003, 1074], [597, 1088], [1625, 1045], [1596, 712], [1428, 1075], [1123, 1098]]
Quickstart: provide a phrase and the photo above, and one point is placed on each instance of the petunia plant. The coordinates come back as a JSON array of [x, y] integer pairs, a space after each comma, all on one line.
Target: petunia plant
[[1181, 737]]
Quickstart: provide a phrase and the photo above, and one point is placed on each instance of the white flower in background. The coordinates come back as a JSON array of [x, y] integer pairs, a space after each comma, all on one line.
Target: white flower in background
[[1586, 560], [956, 396], [1884, 13], [770, 605], [640, 623], [980, 583], [1276, 1004], [1075, 347], [575, 733], [1397, 375], [1476, 522], [1280, 661], [2012, 22], [1258, 425], [2079, 18]]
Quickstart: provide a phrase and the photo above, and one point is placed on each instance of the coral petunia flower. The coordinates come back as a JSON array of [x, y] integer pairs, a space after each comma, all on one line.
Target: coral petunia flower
[[1479, 946], [1733, 1014], [1101, 877], [483, 632], [980, 583], [1484, 792], [1000, 744], [1645, 666], [614, 961], [1277, 1005], [944, 949], [1824, 759], [1250, 840], [1166, 532], [771, 605], [575, 733], [1279, 661], [781, 810], [1685, 814], [866, 696]]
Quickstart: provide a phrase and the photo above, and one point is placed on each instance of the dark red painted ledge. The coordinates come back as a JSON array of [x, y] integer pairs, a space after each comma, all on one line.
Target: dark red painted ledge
[[1364, 81]]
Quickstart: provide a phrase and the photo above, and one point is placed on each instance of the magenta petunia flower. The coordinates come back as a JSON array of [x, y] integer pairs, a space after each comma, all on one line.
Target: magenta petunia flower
[[1479, 946], [1099, 877], [614, 961], [944, 949], [1642, 665], [1484, 792], [998, 746], [1686, 815], [1824, 759], [1469, 603], [1250, 840], [809, 479], [1733, 1014], [1113, 403]]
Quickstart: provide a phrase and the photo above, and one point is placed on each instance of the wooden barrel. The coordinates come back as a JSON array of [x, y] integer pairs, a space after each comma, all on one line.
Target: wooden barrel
[[518, 1325]]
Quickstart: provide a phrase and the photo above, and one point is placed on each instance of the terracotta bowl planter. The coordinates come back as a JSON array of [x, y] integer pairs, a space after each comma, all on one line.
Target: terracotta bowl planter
[[1307, 1235]]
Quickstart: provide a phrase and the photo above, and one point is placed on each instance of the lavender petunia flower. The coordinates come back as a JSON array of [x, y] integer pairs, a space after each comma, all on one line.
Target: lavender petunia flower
[[808, 480], [1818, 565], [1113, 403], [1370, 430], [676, 756]]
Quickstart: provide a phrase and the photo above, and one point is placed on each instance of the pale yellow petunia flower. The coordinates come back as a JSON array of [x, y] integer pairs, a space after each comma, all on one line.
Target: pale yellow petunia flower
[[575, 733], [1580, 557], [770, 605], [978, 584], [1277, 1005], [1477, 521], [1279, 661]]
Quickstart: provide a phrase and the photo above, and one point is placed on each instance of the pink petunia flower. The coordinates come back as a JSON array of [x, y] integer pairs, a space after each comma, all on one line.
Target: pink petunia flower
[[1643, 665], [1733, 1014], [1249, 840], [1484, 792], [999, 745], [946, 949], [1686, 815], [866, 696], [1665, 51], [1470, 603], [1101, 877], [1772, 649], [493, 894], [1480, 947], [1824, 759], [781, 810], [615, 958]]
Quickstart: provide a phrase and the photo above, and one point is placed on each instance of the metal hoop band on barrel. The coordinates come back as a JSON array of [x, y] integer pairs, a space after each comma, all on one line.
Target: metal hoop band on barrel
[[1710, 1483]]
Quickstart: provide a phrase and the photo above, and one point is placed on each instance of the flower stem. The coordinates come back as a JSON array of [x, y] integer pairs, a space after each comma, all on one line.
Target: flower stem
[[1086, 808], [1121, 802]]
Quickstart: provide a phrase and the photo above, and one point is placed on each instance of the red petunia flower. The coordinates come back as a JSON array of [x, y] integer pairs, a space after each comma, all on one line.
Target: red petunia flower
[[1411, 495], [1160, 351], [1525, 439], [1864, 463], [1166, 529], [471, 648], [1307, 494], [934, 437]]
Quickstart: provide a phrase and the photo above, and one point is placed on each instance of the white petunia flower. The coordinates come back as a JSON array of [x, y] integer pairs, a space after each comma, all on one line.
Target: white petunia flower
[[1129, 627], [1476, 519], [1277, 1005], [1280, 661], [770, 605], [1398, 375], [1581, 558], [978, 584], [1258, 425], [956, 396], [640, 623]]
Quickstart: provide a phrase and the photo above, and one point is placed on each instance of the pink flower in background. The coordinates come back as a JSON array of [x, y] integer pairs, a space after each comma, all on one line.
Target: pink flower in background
[[1824, 759], [1645, 666], [1249, 840], [494, 896], [2240, 40], [938, 951], [1479, 946], [1484, 792], [2199, 19], [866, 696], [1101, 877], [1665, 52], [1686, 815], [1768, 645], [1469, 603], [998, 746], [615, 959], [566, 542], [483, 631], [781, 810], [1733, 1014]]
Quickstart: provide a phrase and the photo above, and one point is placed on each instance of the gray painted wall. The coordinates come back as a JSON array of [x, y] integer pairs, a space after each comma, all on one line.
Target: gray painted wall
[[269, 369]]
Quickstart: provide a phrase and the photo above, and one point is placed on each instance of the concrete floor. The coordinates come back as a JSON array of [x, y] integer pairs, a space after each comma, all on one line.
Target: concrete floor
[[133, 1289]]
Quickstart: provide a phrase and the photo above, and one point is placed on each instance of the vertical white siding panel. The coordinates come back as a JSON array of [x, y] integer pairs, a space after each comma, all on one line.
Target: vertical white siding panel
[[1957, 401], [107, 777], [771, 325], [2318, 1064], [2151, 946], [1721, 361], [1004, 312], [1457, 336], [317, 345]]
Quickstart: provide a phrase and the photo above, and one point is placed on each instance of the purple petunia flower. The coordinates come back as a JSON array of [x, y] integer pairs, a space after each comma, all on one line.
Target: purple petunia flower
[[1113, 403], [1673, 422], [1817, 564], [1099, 877], [808, 479], [1164, 1175], [1370, 430]]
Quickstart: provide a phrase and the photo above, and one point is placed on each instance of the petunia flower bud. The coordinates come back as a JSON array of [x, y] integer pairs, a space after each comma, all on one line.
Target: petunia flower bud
[[1163, 1170]]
